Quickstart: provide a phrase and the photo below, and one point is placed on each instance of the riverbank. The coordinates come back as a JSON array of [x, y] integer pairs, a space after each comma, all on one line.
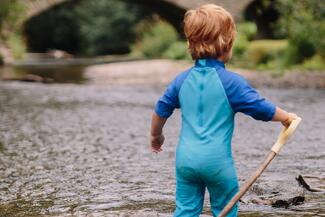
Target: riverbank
[[163, 71], [123, 70]]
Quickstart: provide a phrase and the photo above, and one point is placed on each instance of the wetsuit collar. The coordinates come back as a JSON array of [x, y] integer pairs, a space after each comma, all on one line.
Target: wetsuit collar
[[209, 63]]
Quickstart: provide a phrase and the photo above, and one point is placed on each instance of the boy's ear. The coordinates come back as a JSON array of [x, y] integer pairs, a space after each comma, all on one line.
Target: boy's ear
[[228, 55]]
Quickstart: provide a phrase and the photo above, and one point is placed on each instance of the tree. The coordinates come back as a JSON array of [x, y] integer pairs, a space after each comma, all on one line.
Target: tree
[[303, 23], [11, 13], [107, 26]]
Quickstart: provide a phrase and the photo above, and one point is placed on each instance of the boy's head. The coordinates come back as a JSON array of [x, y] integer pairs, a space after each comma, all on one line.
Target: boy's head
[[210, 31]]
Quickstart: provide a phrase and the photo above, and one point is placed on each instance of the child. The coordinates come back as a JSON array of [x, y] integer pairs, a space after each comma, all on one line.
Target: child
[[209, 96]]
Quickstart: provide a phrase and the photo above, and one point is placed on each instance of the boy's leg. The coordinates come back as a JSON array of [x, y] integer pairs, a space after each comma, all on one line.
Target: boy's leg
[[222, 186], [189, 194]]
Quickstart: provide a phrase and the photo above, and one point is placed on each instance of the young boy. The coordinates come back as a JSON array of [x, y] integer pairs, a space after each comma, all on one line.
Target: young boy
[[208, 96]]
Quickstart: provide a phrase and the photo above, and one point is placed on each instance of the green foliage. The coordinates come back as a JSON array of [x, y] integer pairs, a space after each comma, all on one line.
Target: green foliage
[[263, 51], [54, 29], [270, 54], [155, 38], [16, 45], [247, 29], [317, 62], [1, 59], [263, 54], [240, 46], [264, 14], [245, 32], [86, 27], [178, 51], [11, 13], [303, 23], [107, 26]]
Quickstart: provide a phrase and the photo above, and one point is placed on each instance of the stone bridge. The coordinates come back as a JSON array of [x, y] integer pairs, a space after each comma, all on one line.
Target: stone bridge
[[172, 10]]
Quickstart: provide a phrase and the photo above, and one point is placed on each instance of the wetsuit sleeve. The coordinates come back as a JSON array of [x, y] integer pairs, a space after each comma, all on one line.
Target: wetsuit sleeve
[[169, 100], [244, 98]]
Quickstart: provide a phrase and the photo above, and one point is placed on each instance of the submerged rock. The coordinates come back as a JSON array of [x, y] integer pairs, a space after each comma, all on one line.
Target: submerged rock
[[291, 202], [31, 78]]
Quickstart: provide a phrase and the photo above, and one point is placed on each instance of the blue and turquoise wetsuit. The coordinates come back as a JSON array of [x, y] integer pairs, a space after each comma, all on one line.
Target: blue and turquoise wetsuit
[[208, 96]]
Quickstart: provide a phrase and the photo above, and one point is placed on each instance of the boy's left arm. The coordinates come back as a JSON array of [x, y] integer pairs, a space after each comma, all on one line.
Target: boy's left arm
[[243, 98], [157, 138]]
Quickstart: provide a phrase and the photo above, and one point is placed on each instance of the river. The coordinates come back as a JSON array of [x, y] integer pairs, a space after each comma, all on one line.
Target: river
[[82, 150]]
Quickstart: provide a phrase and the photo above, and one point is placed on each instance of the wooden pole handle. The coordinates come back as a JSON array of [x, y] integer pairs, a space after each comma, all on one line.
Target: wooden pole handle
[[285, 135], [282, 138]]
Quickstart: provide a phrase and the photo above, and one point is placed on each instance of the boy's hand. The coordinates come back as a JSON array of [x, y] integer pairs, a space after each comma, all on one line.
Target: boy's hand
[[290, 118], [157, 142]]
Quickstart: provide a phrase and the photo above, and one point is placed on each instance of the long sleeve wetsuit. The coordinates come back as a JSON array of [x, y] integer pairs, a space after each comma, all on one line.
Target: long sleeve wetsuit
[[208, 96]]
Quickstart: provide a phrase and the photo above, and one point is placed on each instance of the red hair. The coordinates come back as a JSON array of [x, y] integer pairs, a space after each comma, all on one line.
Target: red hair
[[210, 31]]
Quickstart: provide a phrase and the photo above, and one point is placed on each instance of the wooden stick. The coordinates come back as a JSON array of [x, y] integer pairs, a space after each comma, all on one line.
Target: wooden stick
[[283, 137]]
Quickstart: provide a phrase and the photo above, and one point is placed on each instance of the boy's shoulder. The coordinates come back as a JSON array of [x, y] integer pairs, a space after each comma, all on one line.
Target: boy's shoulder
[[229, 78], [230, 75]]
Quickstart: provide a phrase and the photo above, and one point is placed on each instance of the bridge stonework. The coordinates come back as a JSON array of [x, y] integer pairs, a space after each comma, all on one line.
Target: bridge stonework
[[235, 7], [35, 7], [171, 10]]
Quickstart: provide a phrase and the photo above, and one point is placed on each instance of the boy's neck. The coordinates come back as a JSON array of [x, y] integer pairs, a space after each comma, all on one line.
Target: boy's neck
[[209, 62]]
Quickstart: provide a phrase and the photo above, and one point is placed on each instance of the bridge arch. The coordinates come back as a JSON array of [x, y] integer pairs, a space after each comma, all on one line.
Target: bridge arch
[[171, 10], [173, 13]]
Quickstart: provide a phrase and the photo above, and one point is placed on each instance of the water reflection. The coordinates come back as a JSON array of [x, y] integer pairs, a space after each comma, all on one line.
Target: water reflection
[[45, 74]]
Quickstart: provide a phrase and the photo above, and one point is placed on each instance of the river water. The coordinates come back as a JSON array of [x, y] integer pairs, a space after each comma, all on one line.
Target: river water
[[82, 150]]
